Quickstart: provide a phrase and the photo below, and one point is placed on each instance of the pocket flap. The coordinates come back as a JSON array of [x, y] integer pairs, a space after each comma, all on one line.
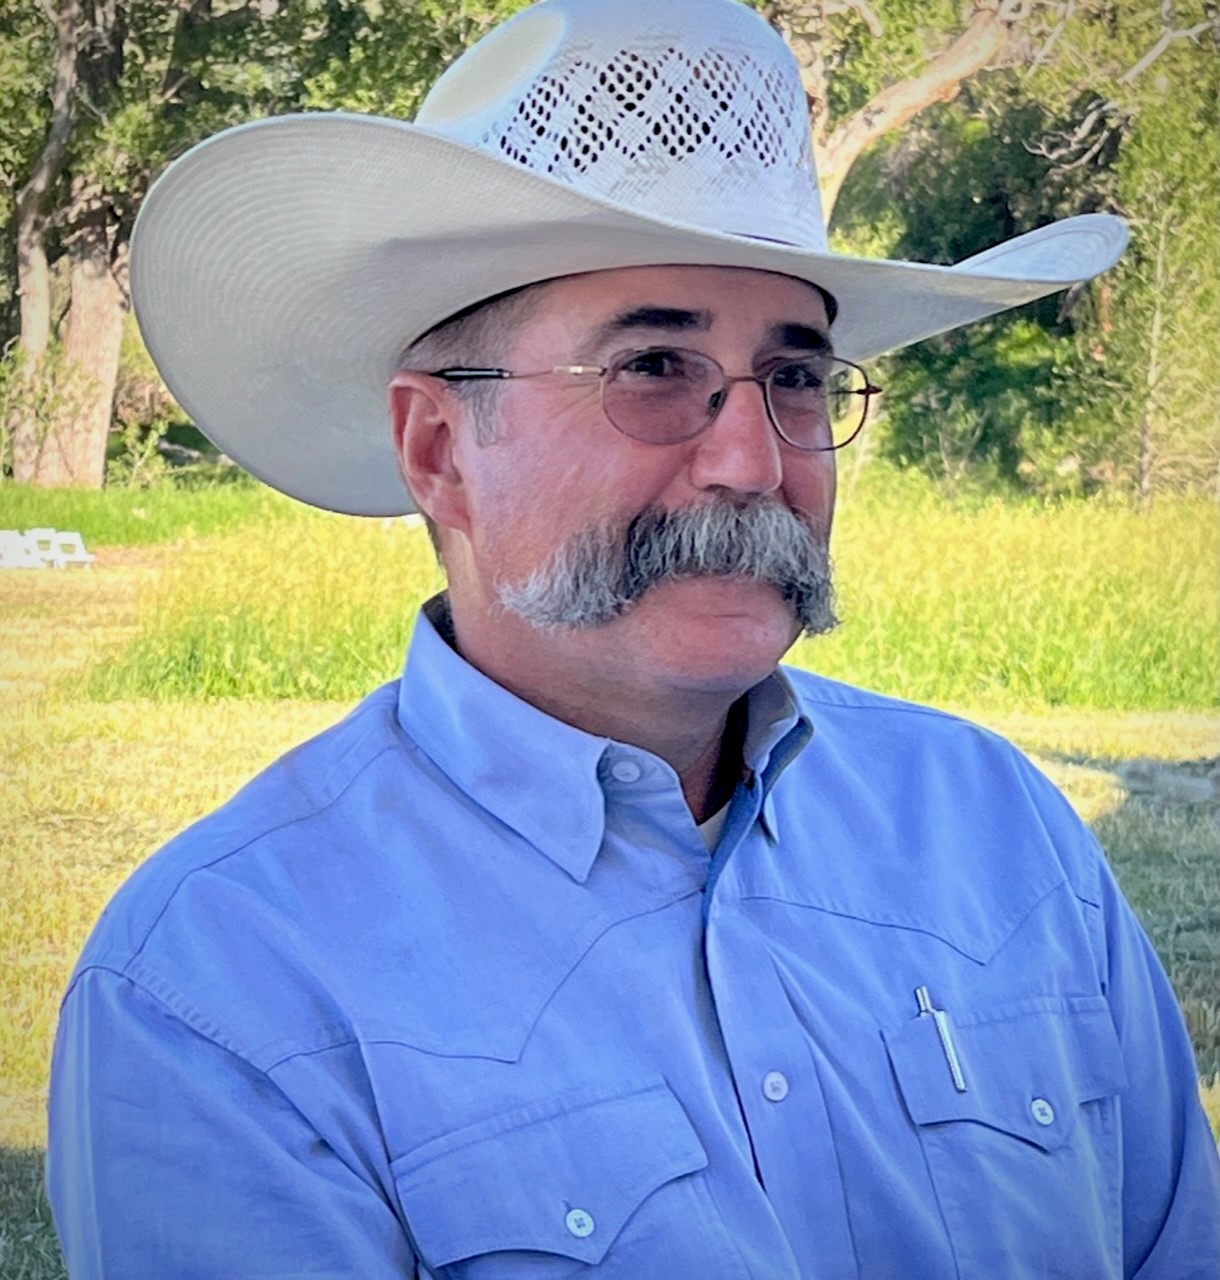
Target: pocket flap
[[1027, 1069], [560, 1177]]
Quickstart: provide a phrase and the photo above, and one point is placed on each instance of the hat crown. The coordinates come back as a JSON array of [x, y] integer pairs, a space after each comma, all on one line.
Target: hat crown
[[693, 112]]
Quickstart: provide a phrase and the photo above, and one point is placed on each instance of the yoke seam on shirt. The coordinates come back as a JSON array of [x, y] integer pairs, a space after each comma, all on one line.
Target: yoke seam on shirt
[[875, 702], [538, 1000], [844, 914], [253, 839]]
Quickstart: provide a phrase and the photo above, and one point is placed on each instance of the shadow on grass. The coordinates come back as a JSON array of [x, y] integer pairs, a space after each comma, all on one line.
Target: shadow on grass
[[28, 1247], [1163, 843]]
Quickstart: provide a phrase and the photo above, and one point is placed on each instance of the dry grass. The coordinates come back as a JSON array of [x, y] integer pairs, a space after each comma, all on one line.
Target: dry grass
[[88, 791], [55, 623]]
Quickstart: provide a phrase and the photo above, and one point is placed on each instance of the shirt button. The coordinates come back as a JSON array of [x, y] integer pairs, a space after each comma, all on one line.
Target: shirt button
[[1042, 1111], [579, 1223], [775, 1086], [626, 770]]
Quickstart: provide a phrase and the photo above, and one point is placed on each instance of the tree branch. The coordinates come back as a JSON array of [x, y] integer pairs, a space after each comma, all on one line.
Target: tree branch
[[985, 36], [1168, 38], [1065, 16], [1104, 118], [32, 196], [862, 11]]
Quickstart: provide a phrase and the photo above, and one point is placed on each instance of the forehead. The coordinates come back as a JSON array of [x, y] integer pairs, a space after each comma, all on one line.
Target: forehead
[[734, 302]]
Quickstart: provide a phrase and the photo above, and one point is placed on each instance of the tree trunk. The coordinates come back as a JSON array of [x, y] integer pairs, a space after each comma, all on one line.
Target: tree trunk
[[34, 284], [33, 272], [979, 45], [74, 449], [1153, 373], [802, 23]]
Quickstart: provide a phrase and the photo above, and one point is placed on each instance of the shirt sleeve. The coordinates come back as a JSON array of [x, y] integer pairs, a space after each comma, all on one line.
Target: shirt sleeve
[[170, 1155], [1171, 1176]]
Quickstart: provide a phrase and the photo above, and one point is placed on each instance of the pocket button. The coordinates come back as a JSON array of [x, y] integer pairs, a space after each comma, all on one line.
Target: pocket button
[[1042, 1111], [579, 1223]]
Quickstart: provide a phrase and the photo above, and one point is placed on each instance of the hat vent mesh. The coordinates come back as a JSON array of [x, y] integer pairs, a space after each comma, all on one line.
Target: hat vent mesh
[[615, 125]]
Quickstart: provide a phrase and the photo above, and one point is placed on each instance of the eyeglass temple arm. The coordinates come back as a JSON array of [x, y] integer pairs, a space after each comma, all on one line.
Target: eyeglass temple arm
[[470, 375], [460, 374]]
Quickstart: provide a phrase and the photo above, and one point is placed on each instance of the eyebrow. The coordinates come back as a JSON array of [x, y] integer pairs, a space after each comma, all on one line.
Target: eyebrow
[[790, 336], [670, 319], [799, 337]]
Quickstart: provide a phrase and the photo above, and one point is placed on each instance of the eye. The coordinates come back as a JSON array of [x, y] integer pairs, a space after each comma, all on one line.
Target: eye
[[799, 375], [662, 363]]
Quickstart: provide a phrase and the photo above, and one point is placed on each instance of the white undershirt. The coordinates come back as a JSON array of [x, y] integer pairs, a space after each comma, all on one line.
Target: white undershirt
[[711, 829]]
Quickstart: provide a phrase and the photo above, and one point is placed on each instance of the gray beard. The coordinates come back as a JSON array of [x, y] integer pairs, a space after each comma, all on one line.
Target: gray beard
[[598, 574]]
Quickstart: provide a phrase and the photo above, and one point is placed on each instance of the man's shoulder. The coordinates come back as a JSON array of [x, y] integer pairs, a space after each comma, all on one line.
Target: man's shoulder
[[847, 710], [813, 691], [933, 767], [269, 820]]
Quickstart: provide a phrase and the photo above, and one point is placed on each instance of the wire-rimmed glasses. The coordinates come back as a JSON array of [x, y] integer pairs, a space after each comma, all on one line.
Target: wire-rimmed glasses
[[666, 395]]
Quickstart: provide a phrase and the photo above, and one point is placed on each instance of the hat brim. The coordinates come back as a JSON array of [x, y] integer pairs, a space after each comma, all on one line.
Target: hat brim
[[280, 269]]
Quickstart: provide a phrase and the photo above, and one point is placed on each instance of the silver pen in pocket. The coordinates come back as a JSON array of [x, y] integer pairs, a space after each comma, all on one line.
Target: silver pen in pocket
[[945, 1031]]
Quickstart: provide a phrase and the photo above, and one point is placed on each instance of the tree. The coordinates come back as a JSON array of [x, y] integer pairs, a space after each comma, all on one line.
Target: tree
[[1111, 384], [134, 83], [1149, 361], [138, 81], [850, 66]]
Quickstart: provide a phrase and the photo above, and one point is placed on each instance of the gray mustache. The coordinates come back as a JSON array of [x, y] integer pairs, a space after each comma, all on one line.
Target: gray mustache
[[597, 574]]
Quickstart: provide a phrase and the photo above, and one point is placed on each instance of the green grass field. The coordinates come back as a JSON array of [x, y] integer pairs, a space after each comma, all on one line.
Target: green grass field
[[141, 692]]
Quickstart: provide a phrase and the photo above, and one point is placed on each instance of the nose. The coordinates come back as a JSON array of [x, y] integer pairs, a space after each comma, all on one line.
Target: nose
[[740, 450]]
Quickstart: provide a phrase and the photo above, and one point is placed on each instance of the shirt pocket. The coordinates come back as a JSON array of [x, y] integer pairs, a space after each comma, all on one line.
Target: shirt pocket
[[556, 1188], [1025, 1162]]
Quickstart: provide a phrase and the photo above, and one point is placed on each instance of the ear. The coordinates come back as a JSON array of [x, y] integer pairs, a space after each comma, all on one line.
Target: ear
[[424, 412]]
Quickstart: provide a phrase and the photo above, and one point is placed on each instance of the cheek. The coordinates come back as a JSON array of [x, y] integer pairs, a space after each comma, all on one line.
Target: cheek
[[810, 484], [531, 499]]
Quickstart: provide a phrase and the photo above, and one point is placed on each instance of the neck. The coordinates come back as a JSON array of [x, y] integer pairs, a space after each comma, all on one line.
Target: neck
[[699, 733]]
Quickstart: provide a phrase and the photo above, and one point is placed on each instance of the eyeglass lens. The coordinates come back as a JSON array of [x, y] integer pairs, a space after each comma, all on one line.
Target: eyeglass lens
[[666, 394]]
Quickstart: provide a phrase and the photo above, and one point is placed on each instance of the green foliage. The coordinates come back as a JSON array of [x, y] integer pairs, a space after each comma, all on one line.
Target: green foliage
[[1115, 385], [33, 390], [133, 460], [1156, 359], [26, 43], [980, 405], [125, 517], [382, 58]]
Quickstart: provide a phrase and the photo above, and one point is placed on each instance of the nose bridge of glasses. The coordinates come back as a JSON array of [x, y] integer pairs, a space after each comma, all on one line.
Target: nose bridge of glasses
[[719, 399]]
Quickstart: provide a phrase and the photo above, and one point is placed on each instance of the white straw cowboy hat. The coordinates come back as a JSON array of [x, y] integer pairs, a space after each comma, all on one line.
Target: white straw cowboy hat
[[279, 269]]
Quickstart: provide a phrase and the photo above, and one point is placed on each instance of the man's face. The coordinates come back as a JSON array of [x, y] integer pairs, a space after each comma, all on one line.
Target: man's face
[[558, 470]]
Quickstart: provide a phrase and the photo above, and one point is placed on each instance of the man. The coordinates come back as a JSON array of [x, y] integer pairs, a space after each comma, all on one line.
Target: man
[[598, 943]]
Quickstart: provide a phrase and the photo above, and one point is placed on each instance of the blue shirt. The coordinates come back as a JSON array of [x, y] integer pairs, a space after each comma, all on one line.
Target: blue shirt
[[456, 990]]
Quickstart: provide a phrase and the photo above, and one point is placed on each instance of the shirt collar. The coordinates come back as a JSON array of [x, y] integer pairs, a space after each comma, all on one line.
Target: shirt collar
[[777, 731], [535, 773]]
